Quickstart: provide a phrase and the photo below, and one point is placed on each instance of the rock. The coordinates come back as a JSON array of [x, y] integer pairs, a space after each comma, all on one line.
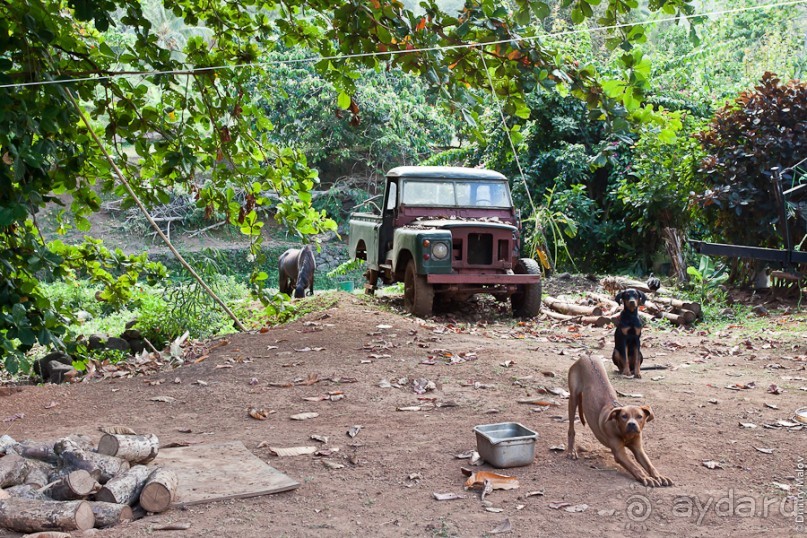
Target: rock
[[82, 316], [96, 341], [59, 373], [131, 334], [760, 310], [130, 324], [118, 343], [137, 346], [42, 367]]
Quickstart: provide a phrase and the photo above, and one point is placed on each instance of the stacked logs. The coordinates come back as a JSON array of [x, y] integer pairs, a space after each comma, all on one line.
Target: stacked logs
[[601, 310], [70, 485]]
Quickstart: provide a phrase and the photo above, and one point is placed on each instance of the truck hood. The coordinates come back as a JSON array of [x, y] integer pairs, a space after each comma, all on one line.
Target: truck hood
[[456, 222]]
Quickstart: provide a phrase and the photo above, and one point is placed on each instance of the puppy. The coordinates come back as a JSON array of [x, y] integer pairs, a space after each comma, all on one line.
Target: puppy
[[627, 355], [616, 426]]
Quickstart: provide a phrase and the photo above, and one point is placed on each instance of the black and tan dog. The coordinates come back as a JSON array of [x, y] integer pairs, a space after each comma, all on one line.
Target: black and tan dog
[[627, 354], [619, 427]]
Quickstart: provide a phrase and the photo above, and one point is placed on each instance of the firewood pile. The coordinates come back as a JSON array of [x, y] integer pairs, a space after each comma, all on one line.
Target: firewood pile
[[71, 485], [600, 309]]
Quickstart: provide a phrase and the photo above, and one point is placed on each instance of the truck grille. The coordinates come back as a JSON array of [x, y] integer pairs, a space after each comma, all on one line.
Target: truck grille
[[480, 249]]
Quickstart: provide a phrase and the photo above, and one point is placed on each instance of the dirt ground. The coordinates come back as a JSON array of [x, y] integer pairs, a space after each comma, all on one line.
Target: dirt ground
[[370, 351]]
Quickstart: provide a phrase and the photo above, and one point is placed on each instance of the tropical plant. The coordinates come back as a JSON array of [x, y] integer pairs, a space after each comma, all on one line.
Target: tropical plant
[[748, 145]]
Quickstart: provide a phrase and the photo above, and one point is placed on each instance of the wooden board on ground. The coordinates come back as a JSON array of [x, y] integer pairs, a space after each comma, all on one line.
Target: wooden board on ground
[[221, 471]]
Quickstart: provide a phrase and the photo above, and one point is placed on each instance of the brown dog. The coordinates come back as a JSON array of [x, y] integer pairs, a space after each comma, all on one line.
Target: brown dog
[[616, 426]]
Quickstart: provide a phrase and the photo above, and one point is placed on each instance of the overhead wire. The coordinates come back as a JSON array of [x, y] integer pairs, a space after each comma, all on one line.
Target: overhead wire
[[343, 57]]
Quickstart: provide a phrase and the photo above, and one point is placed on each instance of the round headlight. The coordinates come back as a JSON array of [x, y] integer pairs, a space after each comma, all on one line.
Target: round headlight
[[440, 250]]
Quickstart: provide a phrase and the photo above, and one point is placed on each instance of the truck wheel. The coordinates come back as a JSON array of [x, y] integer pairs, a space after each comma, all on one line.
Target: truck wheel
[[418, 294], [527, 300]]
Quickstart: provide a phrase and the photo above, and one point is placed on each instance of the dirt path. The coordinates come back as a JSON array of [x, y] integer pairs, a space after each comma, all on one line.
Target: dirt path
[[400, 458]]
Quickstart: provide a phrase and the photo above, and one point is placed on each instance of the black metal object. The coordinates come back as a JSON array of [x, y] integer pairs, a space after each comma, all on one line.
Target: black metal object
[[787, 256]]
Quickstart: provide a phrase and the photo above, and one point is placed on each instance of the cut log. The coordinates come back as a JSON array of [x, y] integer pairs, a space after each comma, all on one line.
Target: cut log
[[25, 515], [13, 470], [38, 472], [132, 448], [646, 318], [125, 489], [110, 514], [615, 284], [36, 451], [675, 318], [48, 534], [26, 491], [571, 308], [159, 491], [597, 321], [676, 303], [101, 466], [605, 300], [76, 485], [688, 315]]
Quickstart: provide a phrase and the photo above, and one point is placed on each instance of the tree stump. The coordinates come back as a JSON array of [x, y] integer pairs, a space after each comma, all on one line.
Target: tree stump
[[26, 515], [159, 491], [76, 485], [13, 470], [110, 514], [125, 489], [132, 448]]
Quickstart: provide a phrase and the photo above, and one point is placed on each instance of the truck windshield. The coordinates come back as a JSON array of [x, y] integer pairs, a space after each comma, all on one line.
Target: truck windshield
[[456, 193]]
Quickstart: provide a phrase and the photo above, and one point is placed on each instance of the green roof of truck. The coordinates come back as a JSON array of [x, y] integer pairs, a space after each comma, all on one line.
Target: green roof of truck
[[444, 172]]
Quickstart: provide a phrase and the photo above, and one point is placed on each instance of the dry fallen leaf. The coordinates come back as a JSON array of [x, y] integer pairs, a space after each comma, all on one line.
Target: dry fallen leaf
[[783, 487], [51, 405], [771, 406], [408, 408], [764, 450], [775, 389], [533, 494], [576, 508], [557, 448], [712, 464], [164, 399], [354, 430], [447, 496], [748, 425], [321, 438], [292, 451], [332, 465], [497, 481], [494, 510], [559, 505], [304, 416], [260, 413]]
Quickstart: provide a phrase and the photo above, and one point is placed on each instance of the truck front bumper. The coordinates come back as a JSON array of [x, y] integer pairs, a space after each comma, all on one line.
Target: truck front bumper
[[491, 279]]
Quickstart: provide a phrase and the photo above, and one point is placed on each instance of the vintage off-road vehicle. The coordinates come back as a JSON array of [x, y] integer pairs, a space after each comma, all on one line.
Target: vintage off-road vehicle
[[448, 233]]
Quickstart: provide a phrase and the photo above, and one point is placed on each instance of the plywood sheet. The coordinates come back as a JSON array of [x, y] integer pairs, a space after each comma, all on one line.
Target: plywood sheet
[[221, 471]]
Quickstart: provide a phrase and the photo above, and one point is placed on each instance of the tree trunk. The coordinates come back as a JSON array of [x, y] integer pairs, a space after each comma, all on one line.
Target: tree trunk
[[13, 470], [110, 514], [76, 485], [159, 491], [125, 489], [571, 309], [25, 515], [132, 448], [674, 244]]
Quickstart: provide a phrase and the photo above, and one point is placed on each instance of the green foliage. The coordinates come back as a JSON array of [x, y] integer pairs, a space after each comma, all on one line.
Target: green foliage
[[707, 279], [763, 130], [350, 266]]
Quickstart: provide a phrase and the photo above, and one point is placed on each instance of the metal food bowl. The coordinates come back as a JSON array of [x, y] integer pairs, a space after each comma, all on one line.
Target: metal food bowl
[[801, 415], [506, 444]]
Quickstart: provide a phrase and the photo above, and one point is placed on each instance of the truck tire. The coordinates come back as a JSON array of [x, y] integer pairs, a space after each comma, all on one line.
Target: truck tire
[[418, 294], [527, 300]]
